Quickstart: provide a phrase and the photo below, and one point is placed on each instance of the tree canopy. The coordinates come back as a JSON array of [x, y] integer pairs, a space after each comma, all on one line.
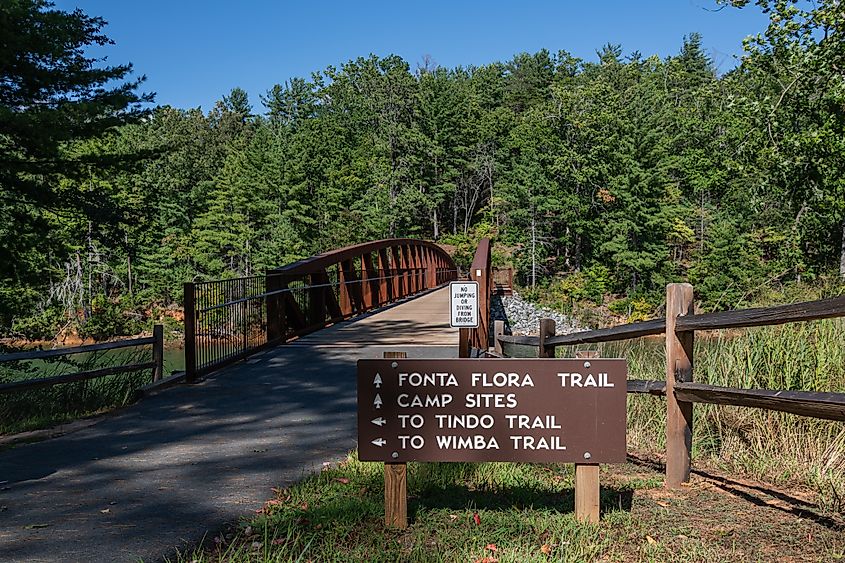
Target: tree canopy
[[623, 173]]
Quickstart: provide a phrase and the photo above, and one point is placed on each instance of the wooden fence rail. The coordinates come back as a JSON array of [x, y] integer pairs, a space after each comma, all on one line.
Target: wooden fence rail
[[678, 386], [156, 363]]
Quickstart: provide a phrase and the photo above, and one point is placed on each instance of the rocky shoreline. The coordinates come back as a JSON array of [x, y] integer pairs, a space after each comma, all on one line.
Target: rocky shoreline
[[523, 317]]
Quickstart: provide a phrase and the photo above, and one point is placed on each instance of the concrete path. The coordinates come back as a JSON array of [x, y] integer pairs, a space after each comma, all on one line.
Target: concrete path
[[161, 474]]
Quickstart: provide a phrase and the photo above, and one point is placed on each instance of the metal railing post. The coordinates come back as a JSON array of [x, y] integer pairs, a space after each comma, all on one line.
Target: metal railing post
[[189, 305]]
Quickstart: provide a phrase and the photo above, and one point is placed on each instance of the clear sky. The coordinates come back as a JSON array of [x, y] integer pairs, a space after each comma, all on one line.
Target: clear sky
[[193, 51]]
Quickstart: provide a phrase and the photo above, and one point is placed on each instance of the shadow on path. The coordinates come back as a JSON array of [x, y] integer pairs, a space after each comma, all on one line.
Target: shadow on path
[[158, 475]]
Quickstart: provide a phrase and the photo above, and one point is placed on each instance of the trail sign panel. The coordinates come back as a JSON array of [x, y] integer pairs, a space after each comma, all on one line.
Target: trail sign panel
[[463, 304], [536, 410]]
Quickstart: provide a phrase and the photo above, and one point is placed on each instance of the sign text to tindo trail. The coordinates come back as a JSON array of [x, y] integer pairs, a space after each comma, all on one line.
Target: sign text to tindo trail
[[539, 410]]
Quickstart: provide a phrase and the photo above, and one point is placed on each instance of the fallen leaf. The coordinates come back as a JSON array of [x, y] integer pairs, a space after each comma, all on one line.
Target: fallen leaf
[[650, 540], [492, 547], [546, 548], [487, 560], [476, 518], [453, 517], [279, 541], [105, 511], [304, 505], [342, 480], [663, 504]]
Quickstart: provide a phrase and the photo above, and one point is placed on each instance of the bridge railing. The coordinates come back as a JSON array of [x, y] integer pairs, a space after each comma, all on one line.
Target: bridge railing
[[481, 271], [678, 387], [227, 320]]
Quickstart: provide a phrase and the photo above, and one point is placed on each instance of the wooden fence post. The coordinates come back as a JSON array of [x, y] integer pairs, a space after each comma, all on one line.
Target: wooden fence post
[[498, 330], [587, 485], [158, 352], [547, 330], [679, 414], [189, 319], [395, 483]]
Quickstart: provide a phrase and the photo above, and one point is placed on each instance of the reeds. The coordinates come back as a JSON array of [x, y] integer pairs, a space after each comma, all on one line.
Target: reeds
[[774, 446]]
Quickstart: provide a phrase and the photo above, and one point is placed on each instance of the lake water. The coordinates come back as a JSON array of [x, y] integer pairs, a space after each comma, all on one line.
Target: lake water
[[174, 360]]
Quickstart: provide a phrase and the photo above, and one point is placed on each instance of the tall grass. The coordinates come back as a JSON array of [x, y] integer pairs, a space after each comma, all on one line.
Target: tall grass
[[773, 446], [39, 408]]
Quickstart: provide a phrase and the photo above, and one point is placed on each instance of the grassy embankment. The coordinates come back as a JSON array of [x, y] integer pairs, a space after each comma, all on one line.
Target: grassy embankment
[[525, 511], [45, 407], [776, 447]]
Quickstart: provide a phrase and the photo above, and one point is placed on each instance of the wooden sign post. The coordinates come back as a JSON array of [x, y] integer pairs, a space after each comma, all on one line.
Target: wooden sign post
[[395, 482], [587, 485]]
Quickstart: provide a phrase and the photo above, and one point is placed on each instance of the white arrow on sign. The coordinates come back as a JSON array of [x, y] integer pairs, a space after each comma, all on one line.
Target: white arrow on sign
[[379, 442], [377, 401], [377, 381], [380, 421]]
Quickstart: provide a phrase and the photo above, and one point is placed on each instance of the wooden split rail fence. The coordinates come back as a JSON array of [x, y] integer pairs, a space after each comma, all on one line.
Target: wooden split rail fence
[[228, 320], [678, 387], [155, 365]]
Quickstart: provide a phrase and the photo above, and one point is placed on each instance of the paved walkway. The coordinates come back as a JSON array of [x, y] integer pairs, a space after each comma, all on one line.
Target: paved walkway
[[161, 474]]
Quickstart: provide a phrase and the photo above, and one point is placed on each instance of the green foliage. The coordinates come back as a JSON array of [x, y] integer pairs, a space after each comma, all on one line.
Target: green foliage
[[111, 318], [591, 284], [615, 176], [633, 308]]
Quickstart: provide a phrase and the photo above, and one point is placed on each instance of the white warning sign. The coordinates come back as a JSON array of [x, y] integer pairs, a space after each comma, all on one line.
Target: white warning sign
[[463, 304]]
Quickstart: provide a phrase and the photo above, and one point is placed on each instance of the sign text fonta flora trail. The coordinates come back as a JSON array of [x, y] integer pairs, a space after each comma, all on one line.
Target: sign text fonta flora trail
[[542, 410]]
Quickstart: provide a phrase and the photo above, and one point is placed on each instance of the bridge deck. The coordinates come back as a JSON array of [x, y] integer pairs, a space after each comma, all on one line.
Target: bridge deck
[[162, 473], [423, 321]]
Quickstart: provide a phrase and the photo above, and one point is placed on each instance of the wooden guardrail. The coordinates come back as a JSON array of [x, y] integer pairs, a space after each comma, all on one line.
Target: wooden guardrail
[[156, 365], [681, 392], [228, 320]]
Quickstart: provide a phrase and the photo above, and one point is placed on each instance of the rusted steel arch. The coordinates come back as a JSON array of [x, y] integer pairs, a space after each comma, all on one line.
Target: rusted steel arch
[[326, 259], [349, 281], [227, 320], [482, 272]]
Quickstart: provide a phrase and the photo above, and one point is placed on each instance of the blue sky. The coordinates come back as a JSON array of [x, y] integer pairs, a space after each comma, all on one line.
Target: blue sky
[[193, 52]]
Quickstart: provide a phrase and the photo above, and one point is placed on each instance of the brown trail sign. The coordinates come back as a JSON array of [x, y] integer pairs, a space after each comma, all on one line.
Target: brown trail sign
[[528, 410]]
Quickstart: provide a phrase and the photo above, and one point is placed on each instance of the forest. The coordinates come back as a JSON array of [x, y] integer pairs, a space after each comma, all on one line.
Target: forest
[[611, 176]]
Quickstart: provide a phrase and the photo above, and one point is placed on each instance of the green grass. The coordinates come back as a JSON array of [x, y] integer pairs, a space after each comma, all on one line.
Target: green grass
[[42, 408], [524, 515], [773, 446], [525, 510]]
